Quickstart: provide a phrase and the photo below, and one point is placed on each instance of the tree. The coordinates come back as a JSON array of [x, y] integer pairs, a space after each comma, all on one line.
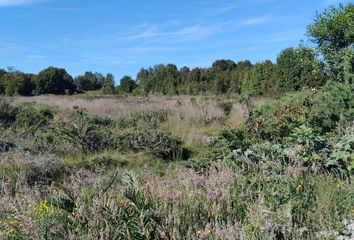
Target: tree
[[143, 79], [100, 79], [54, 81], [127, 84], [108, 84], [19, 84], [2, 81], [88, 81], [240, 77], [263, 78], [333, 32], [223, 65], [297, 68]]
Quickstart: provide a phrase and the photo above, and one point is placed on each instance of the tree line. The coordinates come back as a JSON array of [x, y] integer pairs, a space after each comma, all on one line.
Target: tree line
[[333, 59], [52, 80], [294, 69]]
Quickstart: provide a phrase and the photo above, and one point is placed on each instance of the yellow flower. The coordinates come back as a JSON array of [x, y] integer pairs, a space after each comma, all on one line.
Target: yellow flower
[[14, 223], [9, 232], [298, 188], [1, 222], [352, 210], [199, 232], [209, 231]]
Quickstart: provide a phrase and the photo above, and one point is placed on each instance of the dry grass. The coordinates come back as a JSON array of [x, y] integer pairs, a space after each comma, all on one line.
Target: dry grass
[[191, 118]]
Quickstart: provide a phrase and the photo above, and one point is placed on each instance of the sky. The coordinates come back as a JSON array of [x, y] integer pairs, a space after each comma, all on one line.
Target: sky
[[121, 37]]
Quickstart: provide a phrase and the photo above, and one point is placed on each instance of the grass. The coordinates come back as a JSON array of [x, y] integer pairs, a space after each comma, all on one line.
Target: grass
[[277, 175]]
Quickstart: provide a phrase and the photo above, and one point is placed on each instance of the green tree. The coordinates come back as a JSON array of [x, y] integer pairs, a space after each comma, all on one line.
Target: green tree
[[297, 68], [108, 84], [127, 84], [264, 78], [2, 81], [144, 81], [88, 81], [54, 81], [333, 33], [240, 77], [19, 84]]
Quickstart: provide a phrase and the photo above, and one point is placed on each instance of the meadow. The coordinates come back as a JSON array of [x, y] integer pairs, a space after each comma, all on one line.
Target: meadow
[[182, 167], [232, 151]]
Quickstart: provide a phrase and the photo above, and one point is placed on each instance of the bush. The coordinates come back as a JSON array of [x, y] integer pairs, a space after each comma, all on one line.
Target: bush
[[5, 146], [82, 132], [323, 110], [159, 143], [143, 119], [7, 114], [43, 169], [342, 155], [331, 106], [31, 119]]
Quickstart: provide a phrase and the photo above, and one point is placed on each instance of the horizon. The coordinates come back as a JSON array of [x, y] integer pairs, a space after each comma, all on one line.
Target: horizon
[[121, 38]]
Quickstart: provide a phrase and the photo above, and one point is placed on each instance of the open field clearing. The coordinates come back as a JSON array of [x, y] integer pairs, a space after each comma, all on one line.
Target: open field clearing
[[246, 149]]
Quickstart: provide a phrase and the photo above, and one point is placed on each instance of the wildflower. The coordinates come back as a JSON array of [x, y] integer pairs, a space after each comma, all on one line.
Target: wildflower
[[1, 222], [43, 209], [209, 231], [298, 188], [14, 223], [9, 232], [353, 210], [199, 232]]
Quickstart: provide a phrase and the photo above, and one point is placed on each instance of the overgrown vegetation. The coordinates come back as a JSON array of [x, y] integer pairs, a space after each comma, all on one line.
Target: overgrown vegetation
[[283, 169]]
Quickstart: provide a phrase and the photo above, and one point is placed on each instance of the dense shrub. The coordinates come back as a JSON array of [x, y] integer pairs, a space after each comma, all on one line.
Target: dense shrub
[[331, 106], [322, 110], [7, 113], [159, 143], [5, 146], [30, 118], [82, 133], [142, 119]]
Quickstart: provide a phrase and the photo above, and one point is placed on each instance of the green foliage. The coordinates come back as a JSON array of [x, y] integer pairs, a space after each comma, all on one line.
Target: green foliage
[[305, 124], [54, 81], [82, 132], [342, 155], [285, 173], [297, 68], [127, 84], [263, 80], [308, 143], [7, 114], [108, 84], [159, 143], [30, 119], [142, 119], [332, 106], [332, 31], [18, 84], [88, 81]]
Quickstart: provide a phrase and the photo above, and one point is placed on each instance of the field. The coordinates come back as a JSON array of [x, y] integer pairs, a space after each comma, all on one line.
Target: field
[[182, 167], [192, 118]]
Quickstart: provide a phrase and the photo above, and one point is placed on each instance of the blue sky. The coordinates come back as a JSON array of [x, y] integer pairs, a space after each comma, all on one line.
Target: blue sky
[[122, 36]]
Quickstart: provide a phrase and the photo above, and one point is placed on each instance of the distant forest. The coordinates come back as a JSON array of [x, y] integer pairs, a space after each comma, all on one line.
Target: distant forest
[[332, 32]]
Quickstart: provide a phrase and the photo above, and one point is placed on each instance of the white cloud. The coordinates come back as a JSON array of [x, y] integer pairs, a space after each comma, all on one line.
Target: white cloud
[[36, 57], [14, 3], [256, 21]]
